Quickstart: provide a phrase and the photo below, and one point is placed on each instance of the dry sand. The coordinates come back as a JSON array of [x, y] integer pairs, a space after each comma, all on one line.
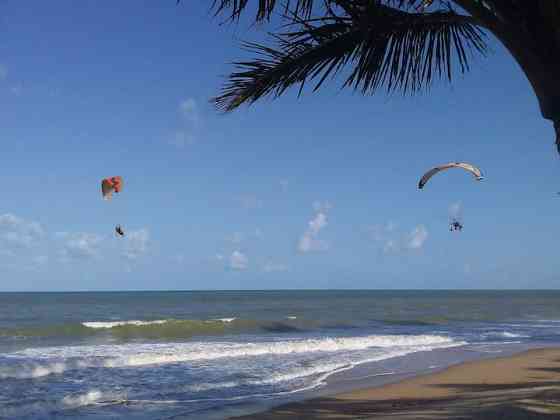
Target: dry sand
[[523, 386]]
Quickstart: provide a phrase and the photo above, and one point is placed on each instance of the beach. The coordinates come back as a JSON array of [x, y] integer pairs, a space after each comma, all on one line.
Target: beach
[[522, 386]]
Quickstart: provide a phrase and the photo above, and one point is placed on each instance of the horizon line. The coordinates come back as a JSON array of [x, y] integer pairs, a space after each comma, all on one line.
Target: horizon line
[[278, 290]]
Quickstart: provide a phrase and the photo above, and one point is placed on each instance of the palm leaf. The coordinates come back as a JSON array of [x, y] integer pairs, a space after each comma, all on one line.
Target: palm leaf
[[380, 45], [264, 7]]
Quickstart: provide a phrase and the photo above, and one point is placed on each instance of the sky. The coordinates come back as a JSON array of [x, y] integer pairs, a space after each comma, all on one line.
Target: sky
[[312, 192]]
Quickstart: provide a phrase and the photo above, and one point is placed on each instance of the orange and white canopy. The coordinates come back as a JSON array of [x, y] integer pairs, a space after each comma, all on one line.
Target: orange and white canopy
[[108, 185]]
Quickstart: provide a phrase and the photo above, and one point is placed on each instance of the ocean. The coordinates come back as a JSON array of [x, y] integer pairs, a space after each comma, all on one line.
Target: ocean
[[209, 355]]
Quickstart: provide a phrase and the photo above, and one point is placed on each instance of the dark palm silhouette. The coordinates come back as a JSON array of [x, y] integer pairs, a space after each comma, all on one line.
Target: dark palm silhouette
[[401, 45]]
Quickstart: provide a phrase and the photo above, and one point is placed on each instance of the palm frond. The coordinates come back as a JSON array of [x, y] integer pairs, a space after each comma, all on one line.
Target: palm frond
[[381, 45], [265, 8]]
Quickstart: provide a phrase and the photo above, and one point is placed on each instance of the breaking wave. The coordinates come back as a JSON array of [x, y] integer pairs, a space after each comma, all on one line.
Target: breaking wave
[[56, 360], [162, 328], [101, 324]]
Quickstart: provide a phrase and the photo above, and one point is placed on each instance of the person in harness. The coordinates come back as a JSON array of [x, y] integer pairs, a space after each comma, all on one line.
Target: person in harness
[[455, 226], [119, 230]]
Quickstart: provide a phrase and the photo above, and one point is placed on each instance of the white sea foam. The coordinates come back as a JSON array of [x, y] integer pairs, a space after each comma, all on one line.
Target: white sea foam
[[511, 335], [373, 375], [326, 370], [49, 360], [230, 371], [111, 324], [28, 370], [505, 334], [493, 343], [224, 319], [207, 386], [90, 397], [178, 353]]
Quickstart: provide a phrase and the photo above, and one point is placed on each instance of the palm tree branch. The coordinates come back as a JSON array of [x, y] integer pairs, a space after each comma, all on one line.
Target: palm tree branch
[[400, 50], [298, 57], [265, 8], [480, 12]]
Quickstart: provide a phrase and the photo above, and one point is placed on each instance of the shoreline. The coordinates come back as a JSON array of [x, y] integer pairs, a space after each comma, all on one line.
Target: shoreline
[[521, 386]]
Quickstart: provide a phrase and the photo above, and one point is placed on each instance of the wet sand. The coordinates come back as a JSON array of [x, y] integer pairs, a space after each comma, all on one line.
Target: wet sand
[[523, 386]]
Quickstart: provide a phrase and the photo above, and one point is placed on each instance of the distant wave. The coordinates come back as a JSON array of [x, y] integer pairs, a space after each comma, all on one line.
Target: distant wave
[[416, 322], [162, 329], [111, 324]]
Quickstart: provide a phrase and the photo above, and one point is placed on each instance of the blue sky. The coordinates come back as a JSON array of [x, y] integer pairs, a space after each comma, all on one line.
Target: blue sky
[[316, 192]]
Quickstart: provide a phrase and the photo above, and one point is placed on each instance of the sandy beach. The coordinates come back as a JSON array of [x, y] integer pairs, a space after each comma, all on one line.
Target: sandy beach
[[523, 386]]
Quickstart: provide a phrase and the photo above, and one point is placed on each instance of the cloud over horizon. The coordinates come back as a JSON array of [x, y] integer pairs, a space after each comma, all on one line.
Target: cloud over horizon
[[79, 245], [136, 244], [16, 231], [271, 267], [238, 261], [417, 237], [309, 241], [393, 240]]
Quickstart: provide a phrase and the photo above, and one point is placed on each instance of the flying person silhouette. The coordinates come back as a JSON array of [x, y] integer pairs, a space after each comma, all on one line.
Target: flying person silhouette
[[455, 226]]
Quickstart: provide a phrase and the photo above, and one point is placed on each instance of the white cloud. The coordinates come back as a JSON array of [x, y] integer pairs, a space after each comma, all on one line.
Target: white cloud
[[182, 139], [284, 183], [381, 232], [395, 240], [235, 238], [17, 239], [17, 89], [318, 223], [7, 253], [250, 202], [238, 237], [11, 221], [80, 245], [189, 110], [309, 241], [417, 237], [136, 244], [391, 246], [41, 259], [19, 232], [238, 261], [322, 207], [178, 259], [271, 267], [187, 131]]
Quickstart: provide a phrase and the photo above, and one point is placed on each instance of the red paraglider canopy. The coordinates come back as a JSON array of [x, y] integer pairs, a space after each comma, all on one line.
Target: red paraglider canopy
[[108, 185]]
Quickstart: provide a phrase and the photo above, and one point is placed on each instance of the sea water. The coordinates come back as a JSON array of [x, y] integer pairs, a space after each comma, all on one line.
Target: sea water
[[185, 354]]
